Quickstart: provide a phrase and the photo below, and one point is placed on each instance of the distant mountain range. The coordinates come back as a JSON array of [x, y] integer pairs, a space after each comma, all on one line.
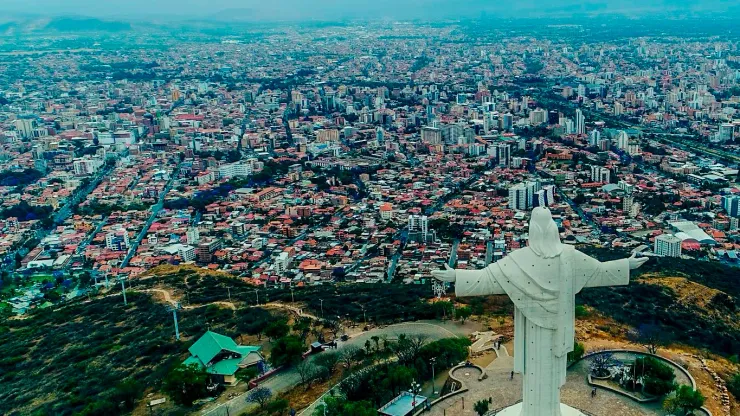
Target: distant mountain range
[[62, 24]]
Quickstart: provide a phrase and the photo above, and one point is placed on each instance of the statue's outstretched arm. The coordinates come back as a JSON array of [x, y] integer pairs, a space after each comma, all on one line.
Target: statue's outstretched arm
[[470, 282], [593, 273]]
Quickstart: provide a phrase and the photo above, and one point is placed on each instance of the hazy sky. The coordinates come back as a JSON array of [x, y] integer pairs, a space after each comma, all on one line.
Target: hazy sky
[[333, 9]]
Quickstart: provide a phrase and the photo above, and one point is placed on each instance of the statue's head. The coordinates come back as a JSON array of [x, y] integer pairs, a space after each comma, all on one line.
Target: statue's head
[[544, 238]]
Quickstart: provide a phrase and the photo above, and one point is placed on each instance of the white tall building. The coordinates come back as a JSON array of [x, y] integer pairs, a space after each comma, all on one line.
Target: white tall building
[[537, 117], [193, 235], [667, 245], [26, 126], [623, 140], [545, 196], [627, 202], [580, 122], [282, 262], [600, 174], [518, 197], [618, 109], [117, 239], [532, 188], [726, 131], [626, 187], [594, 138], [419, 223]]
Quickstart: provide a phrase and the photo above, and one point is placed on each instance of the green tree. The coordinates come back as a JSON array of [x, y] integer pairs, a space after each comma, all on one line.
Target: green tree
[[399, 377], [308, 372], [277, 407], [686, 400], [442, 309], [186, 383], [277, 329], [303, 327], [99, 408], [463, 313], [733, 385], [481, 407], [577, 353], [328, 360], [286, 351], [340, 406], [658, 378], [128, 392], [247, 374]]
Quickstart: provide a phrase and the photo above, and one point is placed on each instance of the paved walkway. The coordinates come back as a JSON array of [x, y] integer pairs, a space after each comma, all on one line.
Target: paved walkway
[[505, 392]]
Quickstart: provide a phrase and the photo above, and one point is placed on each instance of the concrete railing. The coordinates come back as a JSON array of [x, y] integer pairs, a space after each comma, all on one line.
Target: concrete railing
[[463, 388], [644, 354]]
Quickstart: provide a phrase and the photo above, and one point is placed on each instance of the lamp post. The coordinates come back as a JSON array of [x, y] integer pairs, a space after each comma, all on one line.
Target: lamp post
[[174, 316], [433, 361], [322, 308], [415, 389], [123, 289], [256, 292]]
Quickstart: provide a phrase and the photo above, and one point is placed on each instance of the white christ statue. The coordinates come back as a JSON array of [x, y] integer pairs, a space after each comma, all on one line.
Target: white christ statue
[[542, 281]]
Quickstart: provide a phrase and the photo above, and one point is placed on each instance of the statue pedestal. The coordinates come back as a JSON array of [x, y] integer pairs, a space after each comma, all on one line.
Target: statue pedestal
[[516, 410]]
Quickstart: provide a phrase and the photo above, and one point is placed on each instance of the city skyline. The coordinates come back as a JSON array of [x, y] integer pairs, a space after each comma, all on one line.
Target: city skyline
[[299, 10]]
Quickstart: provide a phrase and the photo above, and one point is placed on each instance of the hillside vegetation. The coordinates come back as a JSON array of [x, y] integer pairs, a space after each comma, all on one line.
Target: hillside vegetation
[[76, 360], [691, 302]]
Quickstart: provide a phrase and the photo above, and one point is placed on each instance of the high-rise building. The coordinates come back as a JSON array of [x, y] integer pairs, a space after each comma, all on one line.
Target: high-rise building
[[537, 117], [518, 197], [580, 122], [553, 117], [525, 195], [117, 239], [419, 225], [327, 135], [581, 90], [26, 126], [507, 121], [545, 196], [86, 166], [726, 131], [667, 245], [734, 223], [627, 203], [618, 109], [192, 235], [431, 135], [594, 138], [623, 140], [600, 174], [532, 188], [731, 204], [503, 154], [626, 187]]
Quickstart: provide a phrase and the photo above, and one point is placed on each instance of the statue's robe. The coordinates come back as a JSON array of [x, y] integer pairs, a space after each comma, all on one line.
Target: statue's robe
[[543, 291]]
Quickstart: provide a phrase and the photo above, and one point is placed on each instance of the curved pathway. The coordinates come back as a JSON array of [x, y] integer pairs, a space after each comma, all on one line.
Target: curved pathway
[[503, 391]]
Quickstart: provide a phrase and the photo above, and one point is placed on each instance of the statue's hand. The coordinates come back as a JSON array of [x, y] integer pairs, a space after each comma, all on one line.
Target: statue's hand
[[446, 275], [636, 262]]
